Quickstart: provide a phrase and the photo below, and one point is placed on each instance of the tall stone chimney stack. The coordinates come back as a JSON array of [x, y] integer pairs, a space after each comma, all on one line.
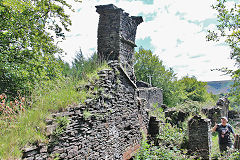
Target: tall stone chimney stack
[[116, 35]]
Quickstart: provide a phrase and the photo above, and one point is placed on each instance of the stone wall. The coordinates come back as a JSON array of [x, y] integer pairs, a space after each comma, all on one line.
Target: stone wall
[[153, 96], [175, 116], [213, 113], [200, 137], [112, 130], [109, 125], [223, 103]]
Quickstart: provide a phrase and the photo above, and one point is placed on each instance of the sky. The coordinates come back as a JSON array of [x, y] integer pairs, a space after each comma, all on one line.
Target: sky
[[174, 30]]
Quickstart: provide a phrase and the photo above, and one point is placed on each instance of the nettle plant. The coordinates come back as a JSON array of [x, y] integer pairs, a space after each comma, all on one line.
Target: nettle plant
[[10, 109]]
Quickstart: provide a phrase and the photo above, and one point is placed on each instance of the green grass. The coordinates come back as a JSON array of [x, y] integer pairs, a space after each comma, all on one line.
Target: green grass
[[215, 145], [29, 127]]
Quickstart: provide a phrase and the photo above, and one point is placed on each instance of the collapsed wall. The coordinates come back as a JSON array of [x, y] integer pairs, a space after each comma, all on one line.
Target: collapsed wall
[[110, 124]]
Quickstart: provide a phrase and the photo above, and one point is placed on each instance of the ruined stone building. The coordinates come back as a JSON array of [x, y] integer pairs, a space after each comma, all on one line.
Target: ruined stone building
[[110, 125]]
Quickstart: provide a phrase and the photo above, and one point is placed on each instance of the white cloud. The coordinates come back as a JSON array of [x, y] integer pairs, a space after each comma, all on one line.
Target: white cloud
[[165, 30]]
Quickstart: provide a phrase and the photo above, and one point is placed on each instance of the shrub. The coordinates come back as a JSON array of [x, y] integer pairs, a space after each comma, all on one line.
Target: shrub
[[148, 152], [9, 109], [170, 135]]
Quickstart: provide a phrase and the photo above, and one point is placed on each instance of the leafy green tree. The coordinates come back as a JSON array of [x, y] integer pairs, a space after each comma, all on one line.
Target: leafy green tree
[[27, 47], [148, 65], [195, 90], [228, 30]]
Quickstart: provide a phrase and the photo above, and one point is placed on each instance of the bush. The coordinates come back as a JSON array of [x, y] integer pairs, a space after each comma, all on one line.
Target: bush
[[148, 152], [170, 135]]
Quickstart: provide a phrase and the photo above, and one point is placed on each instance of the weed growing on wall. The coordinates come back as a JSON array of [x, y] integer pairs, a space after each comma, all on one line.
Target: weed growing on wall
[[62, 123], [170, 135], [169, 138], [86, 114]]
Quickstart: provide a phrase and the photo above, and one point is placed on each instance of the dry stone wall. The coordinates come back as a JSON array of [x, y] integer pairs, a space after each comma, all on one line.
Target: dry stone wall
[[108, 126], [200, 138], [153, 96], [223, 103], [213, 113]]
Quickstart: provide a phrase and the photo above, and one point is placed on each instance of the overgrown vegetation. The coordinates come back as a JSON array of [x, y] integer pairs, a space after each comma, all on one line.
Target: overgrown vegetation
[[29, 127], [149, 68], [228, 31], [187, 95], [62, 123], [35, 83], [47, 97], [169, 140], [27, 46], [148, 151], [172, 141], [81, 67]]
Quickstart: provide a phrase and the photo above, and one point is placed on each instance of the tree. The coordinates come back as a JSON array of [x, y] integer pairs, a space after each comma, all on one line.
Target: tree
[[81, 66], [148, 65], [78, 65], [228, 30], [195, 90], [27, 47]]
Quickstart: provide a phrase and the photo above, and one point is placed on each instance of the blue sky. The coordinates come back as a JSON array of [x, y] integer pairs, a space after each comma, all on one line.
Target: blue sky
[[174, 30]]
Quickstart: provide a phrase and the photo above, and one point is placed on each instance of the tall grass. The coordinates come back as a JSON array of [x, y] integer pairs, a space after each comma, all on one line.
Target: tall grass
[[29, 126]]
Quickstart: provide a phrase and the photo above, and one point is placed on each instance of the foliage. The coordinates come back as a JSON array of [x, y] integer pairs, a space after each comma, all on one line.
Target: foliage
[[47, 97], [27, 46], [62, 123], [171, 135], [86, 114], [81, 67], [158, 112], [193, 107], [232, 154], [29, 127], [195, 90], [174, 91], [158, 152], [228, 30], [147, 64]]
